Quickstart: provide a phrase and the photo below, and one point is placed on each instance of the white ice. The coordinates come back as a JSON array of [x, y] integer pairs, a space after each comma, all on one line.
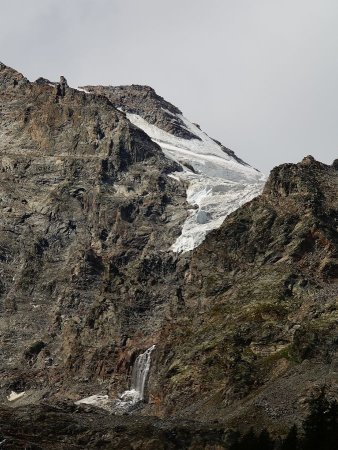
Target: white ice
[[204, 154], [218, 183], [82, 90]]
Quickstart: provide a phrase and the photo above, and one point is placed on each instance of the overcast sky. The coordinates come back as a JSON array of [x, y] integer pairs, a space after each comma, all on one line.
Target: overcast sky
[[259, 75]]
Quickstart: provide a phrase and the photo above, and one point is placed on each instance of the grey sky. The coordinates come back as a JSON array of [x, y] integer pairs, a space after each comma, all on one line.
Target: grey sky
[[259, 75]]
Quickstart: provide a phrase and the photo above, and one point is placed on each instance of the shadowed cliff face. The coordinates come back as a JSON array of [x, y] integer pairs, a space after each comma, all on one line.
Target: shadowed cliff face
[[245, 326], [88, 214]]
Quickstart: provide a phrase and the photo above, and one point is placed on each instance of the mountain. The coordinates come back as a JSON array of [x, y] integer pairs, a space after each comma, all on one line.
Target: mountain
[[263, 288], [146, 270], [218, 181], [88, 214]]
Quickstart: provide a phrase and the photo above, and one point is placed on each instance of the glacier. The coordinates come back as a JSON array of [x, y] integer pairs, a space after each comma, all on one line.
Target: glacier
[[218, 183]]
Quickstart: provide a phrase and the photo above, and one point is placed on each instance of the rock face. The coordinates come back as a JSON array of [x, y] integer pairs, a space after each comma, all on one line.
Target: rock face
[[218, 181], [245, 325], [143, 101], [88, 214], [63, 427], [263, 288]]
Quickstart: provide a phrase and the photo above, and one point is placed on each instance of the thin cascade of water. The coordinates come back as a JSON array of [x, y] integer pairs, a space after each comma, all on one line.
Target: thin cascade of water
[[139, 378], [128, 399], [140, 372]]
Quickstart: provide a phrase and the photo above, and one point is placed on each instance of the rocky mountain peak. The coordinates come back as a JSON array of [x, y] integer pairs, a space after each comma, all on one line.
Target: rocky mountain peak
[[85, 199], [265, 287], [145, 102], [308, 160], [44, 81], [292, 179], [228, 306], [218, 180], [10, 77], [335, 164], [294, 221]]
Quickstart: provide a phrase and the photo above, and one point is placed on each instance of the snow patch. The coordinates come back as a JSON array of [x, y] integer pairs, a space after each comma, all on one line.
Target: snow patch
[[101, 401], [82, 90], [15, 396]]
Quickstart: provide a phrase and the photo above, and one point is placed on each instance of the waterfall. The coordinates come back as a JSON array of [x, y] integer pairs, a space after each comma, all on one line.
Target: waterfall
[[140, 372], [128, 399], [139, 379]]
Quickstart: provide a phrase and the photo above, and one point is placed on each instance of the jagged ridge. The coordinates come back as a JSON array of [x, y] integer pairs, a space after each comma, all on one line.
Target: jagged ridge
[[245, 325]]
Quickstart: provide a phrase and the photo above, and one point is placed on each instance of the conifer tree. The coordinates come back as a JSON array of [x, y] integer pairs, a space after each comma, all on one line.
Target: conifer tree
[[321, 427], [291, 441]]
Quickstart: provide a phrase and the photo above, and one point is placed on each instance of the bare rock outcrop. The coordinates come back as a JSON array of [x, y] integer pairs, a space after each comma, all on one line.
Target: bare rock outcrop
[[264, 287], [245, 325], [88, 214]]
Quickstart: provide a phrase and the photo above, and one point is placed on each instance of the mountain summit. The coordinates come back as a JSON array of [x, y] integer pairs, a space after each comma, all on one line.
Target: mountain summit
[[218, 181], [153, 292]]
